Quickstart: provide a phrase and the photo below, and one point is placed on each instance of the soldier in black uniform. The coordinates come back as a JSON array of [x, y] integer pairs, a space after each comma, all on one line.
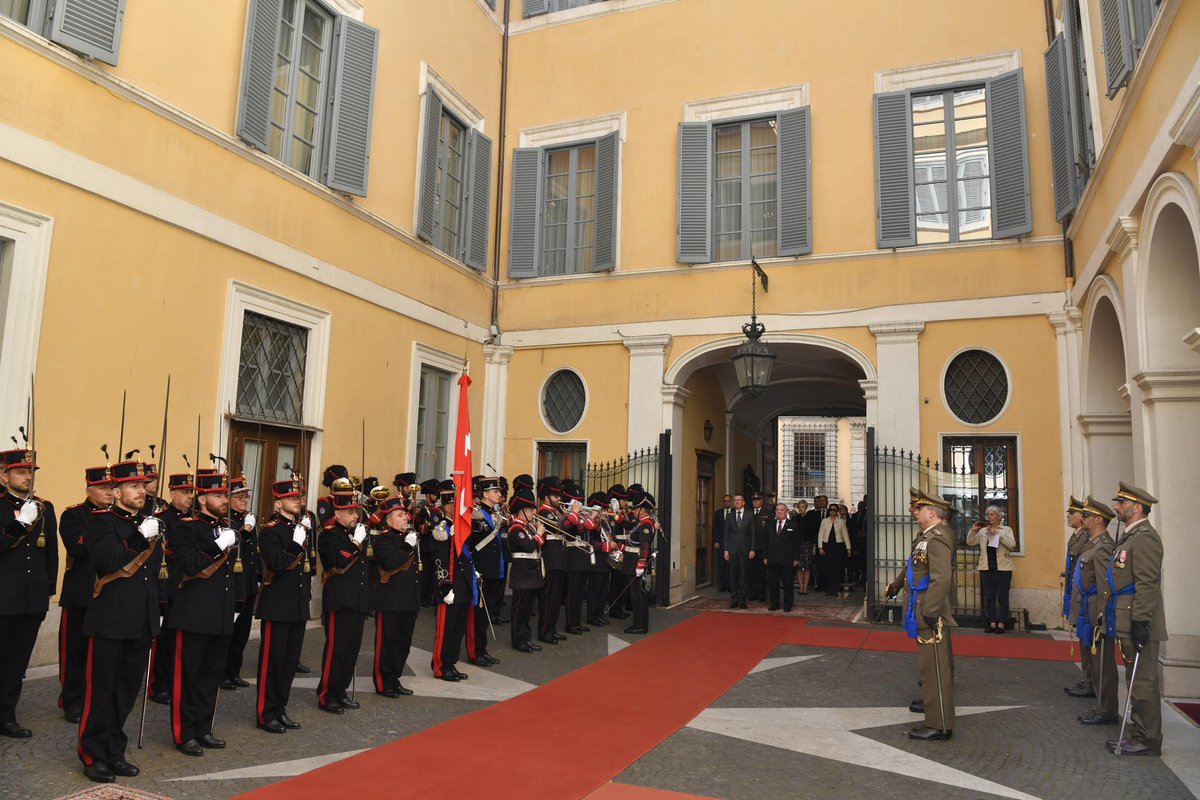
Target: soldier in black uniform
[[525, 575], [182, 488], [203, 549], [394, 580], [282, 605], [345, 602], [124, 549], [637, 553], [245, 580], [600, 538], [554, 561], [454, 593], [485, 545], [79, 579], [579, 556], [756, 571], [618, 598], [312, 524], [28, 577], [325, 506], [427, 515]]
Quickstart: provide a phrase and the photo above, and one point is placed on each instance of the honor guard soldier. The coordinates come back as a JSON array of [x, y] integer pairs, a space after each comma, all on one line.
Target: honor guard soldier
[[618, 598], [394, 584], [79, 579], [1134, 616], [282, 604], [579, 555], [600, 538], [182, 494], [554, 560], [485, 546], [28, 577], [203, 550], [312, 524], [154, 503], [325, 506], [637, 554], [526, 576], [1077, 541], [426, 516], [124, 548], [454, 593], [1090, 570], [245, 580], [345, 601]]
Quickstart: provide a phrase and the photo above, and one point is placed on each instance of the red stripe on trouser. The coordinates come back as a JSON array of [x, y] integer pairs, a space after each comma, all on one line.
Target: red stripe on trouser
[[471, 620], [153, 654], [264, 659], [379, 687], [329, 639], [87, 706], [177, 690], [62, 656], [437, 640]]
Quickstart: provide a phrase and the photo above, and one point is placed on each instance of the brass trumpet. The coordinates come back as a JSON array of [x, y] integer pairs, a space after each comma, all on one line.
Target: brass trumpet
[[565, 534]]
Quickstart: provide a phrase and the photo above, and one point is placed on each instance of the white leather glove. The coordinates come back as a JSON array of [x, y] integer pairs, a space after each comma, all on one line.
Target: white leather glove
[[28, 513], [226, 539], [299, 534], [306, 521], [149, 527], [410, 539], [478, 577], [449, 598], [639, 572], [248, 523], [360, 533]]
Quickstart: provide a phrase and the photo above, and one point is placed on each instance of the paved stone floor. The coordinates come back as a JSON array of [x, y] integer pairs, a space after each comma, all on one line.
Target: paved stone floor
[[799, 725]]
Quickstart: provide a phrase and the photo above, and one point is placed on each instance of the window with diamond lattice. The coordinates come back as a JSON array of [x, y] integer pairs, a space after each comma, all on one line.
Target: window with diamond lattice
[[563, 400], [976, 386], [271, 369]]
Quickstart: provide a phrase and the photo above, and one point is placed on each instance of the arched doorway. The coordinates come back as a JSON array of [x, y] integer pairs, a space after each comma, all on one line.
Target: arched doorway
[[1105, 421]]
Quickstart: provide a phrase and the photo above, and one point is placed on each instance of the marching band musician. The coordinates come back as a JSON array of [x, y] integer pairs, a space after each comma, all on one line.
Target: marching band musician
[[325, 506], [602, 544], [426, 517], [454, 593], [245, 581], [526, 575], [637, 554], [580, 555], [162, 652], [394, 586], [345, 602], [553, 561], [282, 605], [618, 598], [484, 544], [202, 555]]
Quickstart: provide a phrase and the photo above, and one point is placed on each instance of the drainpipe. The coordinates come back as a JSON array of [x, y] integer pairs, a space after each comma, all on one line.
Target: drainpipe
[[501, 151]]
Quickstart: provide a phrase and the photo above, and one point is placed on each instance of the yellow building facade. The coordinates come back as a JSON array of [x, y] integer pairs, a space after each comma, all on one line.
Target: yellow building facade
[[962, 234]]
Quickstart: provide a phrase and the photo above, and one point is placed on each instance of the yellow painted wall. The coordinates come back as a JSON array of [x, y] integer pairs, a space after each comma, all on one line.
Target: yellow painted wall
[[707, 402]]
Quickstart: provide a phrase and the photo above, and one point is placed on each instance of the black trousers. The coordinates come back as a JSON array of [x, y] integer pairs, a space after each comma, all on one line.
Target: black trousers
[[722, 572], [493, 595], [114, 672], [834, 566], [756, 578], [343, 639], [576, 589], [199, 669], [639, 602], [278, 654], [393, 641], [597, 593], [162, 659], [996, 583], [523, 601], [477, 632], [18, 634], [448, 635], [551, 602], [241, 634], [785, 575], [617, 600], [737, 577], [72, 659]]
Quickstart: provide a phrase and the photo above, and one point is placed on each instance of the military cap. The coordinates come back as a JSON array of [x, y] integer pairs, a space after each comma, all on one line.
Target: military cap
[[549, 485], [97, 476], [1074, 504], [430, 486], [207, 471], [1132, 494], [343, 501], [289, 488], [503, 484], [484, 483], [18, 459], [212, 483], [571, 490], [180, 480], [633, 489], [368, 484], [924, 498], [446, 490], [404, 479], [238, 485], [756, 495], [618, 491], [597, 500], [522, 498], [151, 471], [1096, 508], [128, 471], [391, 504], [643, 500], [332, 473]]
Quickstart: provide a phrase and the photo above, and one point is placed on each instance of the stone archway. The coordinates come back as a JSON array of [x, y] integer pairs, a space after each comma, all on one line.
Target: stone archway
[[1105, 421]]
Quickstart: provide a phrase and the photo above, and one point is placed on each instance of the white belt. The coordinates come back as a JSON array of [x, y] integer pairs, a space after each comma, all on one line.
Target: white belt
[[577, 544], [632, 549], [526, 555], [553, 537], [485, 541]]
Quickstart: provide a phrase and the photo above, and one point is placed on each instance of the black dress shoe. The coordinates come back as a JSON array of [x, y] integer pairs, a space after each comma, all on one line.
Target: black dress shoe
[[392, 693], [14, 731], [575, 630], [584, 628], [1077, 691], [462, 676], [210, 741], [636, 629], [288, 722], [331, 708], [599, 623], [929, 734], [73, 715], [1132, 747], [162, 698], [272, 726], [1096, 718], [125, 769], [999, 630], [525, 647], [481, 661], [917, 706], [547, 640], [190, 748], [404, 691], [734, 604], [99, 772], [558, 636], [228, 684], [303, 670], [239, 682], [772, 608], [787, 609], [618, 614], [742, 604], [346, 702], [452, 677]]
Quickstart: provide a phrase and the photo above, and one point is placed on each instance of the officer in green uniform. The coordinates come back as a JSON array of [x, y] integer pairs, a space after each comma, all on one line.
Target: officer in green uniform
[[1089, 575], [1075, 544]]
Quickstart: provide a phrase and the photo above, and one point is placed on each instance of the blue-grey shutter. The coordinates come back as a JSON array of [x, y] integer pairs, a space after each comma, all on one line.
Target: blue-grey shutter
[[1062, 143], [1143, 13], [526, 211], [895, 223], [1009, 154], [795, 182], [607, 158], [429, 164], [90, 27], [355, 55], [477, 199], [258, 72], [535, 7], [695, 191], [1118, 43]]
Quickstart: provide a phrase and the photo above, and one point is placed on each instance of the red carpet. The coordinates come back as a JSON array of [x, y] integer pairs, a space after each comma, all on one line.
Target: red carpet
[[1191, 709], [626, 791], [896, 641], [630, 702]]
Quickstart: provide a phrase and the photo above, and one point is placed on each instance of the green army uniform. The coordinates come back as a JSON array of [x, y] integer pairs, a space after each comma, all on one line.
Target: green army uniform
[[1087, 603]]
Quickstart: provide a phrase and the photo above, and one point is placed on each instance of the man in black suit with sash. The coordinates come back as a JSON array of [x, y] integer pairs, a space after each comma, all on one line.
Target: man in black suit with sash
[[780, 557]]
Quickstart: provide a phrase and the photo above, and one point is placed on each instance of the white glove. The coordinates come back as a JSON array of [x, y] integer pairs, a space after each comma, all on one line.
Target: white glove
[[149, 527], [226, 539], [28, 513], [306, 521], [360, 533], [410, 539], [299, 534], [478, 577], [449, 599], [248, 523], [639, 572]]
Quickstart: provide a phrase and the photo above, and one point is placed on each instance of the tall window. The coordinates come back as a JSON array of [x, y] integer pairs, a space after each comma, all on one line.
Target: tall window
[[301, 74], [15, 9], [745, 190], [985, 470], [951, 173], [569, 232], [271, 369], [433, 422], [564, 459], [448, 220]]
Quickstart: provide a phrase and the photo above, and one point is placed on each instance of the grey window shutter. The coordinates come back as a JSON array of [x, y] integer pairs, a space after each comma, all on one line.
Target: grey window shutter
[[695, 191], [477, 200], [429, 164], [1118, 43], [1009, 153], [535, 7], [1062, 143], [896, 224], [607, 158], [526, 211], [795, 182], [355, 56], [90, 27], [258, 72]]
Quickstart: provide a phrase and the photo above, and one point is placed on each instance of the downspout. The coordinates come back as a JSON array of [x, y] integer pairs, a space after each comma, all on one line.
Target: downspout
[[501, 151]]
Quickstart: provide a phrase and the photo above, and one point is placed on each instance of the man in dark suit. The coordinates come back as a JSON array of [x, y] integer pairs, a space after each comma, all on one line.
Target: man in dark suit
[[720, 519], [780, 557], [739, 541], [756, 573], [812, 525]]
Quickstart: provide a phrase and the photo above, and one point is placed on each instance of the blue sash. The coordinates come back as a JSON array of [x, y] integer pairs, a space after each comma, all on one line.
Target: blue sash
[[910, 619], [1083, 623], [474, 583], [1067, 588], [1110, 608]]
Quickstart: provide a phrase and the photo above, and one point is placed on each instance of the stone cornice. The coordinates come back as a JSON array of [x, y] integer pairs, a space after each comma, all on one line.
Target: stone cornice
[[1106, 423], [897, 332], [1169, 385], [1123, 238]]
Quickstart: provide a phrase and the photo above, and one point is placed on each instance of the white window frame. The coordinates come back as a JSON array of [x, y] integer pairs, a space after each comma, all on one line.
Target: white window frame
[[587, 453], [1021, 469], [587, 400], [425, 355], [25, 237], [946, 403], [457, 106], [323, 94]]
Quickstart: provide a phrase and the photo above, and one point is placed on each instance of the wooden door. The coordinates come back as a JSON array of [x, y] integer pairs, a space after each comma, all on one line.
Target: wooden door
[[265, 454], [705, 498]]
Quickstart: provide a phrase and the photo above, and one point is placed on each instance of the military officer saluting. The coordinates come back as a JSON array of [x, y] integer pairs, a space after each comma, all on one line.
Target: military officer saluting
[[345, 602], [1075, 545], [394, 583], [525, 574], [1134, 616], [1090, 573]]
